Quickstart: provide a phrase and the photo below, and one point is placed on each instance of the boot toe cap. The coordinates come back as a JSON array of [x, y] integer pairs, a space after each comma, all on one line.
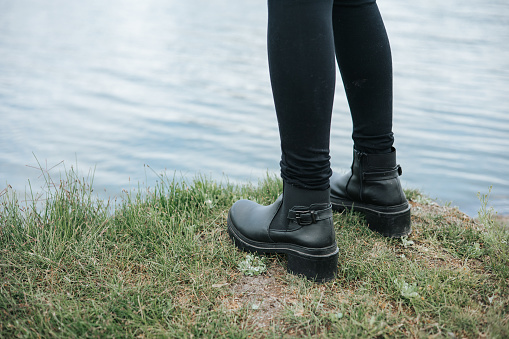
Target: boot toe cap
[[251, 219]]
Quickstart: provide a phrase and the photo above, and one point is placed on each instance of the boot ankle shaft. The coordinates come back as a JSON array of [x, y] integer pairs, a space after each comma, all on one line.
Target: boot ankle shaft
[[295, 196], [376, 161], [375, 179]]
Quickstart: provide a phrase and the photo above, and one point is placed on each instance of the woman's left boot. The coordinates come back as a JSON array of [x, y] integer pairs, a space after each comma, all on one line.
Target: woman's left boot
[[298, 224], [373, 188]]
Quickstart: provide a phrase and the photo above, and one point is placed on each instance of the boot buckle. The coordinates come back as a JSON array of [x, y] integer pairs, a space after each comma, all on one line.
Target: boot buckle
[[305, 218]]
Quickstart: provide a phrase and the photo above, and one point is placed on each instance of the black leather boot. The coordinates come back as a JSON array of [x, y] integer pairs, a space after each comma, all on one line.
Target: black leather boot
[[298, 224], [373, 188]]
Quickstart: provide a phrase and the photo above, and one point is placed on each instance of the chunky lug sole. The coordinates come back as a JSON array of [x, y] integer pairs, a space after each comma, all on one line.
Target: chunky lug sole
[[316, 264], [390, 221]]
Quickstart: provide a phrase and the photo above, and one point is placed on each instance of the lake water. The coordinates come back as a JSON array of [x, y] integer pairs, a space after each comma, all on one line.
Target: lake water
[[183, 86]]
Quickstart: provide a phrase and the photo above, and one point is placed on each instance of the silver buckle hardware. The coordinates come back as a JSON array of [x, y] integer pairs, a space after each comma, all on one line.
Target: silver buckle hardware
[[305, 218]]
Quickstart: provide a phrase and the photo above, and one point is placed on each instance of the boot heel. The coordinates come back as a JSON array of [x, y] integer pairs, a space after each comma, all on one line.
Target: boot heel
[[394, 225], [315, 268]]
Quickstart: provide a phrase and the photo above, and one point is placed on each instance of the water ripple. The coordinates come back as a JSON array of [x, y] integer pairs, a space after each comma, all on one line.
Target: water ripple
[[184, 86]]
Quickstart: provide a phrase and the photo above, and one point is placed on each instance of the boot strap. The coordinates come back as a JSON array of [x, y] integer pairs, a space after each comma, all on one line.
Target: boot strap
[[305, 217], [391, 174]]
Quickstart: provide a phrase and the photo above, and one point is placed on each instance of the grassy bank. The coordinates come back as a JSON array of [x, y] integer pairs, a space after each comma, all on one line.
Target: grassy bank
[[159, 263]]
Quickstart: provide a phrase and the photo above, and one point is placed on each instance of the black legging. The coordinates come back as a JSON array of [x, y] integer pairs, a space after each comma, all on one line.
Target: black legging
[[304, 36]]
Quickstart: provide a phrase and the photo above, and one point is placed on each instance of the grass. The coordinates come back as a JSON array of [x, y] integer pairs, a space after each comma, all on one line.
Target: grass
[[158, 263]]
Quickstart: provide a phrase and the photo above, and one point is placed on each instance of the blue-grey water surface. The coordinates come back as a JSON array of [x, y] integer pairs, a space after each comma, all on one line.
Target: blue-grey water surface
[[183, 86]]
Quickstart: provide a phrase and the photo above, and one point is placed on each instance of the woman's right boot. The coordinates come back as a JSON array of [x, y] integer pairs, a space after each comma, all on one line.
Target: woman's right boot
[[373, 188], [298, 224]]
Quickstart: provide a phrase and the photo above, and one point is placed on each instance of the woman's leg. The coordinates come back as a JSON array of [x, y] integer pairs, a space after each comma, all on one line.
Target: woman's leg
[[302, 71], [364, 58]]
